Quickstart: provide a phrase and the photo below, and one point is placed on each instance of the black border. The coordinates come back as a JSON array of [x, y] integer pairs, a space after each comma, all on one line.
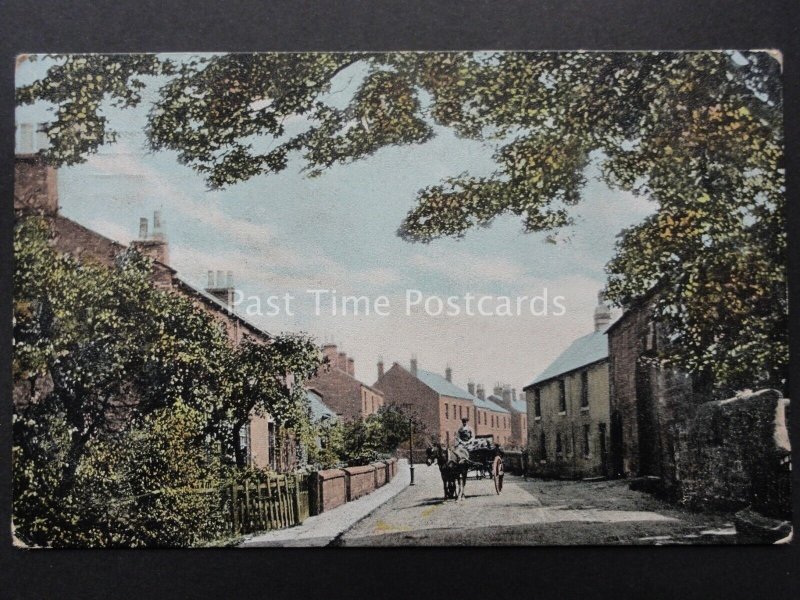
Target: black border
[[248, 25]]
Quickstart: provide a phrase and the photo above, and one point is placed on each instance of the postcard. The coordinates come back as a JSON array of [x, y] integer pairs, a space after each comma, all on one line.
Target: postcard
[[399, 299]]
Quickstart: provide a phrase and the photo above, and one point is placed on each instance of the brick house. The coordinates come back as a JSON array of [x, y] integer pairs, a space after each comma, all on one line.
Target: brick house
[[506, 397], [348, 397], [491, 418], [569, 408], [36, 192], [439, 403]]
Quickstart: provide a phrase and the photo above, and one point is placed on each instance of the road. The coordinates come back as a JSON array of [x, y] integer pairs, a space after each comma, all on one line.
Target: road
[[532, 512]]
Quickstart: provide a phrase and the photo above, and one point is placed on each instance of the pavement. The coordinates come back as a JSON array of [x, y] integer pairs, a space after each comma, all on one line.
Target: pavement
[[325, 528], [532, 512]]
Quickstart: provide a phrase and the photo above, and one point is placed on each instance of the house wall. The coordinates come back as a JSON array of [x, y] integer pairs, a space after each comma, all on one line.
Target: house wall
[[345, 395], [650, 405], [402, 389], [456, 408], [575, 459]]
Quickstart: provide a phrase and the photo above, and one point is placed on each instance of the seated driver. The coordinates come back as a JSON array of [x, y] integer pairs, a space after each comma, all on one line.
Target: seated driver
[[464, 435]]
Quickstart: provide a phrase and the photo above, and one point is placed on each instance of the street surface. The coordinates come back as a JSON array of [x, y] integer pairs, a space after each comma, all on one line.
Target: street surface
[[532, 512]]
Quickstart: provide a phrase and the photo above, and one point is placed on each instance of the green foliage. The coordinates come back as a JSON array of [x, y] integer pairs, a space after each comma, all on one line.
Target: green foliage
[[699, 133], [138, 399], [378, 435]]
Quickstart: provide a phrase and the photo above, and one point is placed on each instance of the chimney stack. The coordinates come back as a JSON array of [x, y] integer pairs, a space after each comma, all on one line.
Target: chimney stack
[[471, 388], [480, 392], [498, 390], [229, 279], [210, 279], [329, 351], [602, 312], [351, 367], [448, 374], [380, 368], [341, 362], [514, 394], [507, 395], [414, 366], [158, 232], [152, 244]]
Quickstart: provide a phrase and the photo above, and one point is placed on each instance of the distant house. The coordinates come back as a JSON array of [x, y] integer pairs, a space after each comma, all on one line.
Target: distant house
[[348, 397], [569, 408], [320, 412], [441, 404], [491, 417], [506, 397]]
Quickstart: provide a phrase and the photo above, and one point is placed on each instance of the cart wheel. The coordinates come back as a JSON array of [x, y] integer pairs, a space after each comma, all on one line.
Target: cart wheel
[[498, 476]]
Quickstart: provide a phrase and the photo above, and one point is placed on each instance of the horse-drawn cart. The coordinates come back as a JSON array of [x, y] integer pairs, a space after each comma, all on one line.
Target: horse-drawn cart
[[480, 456]]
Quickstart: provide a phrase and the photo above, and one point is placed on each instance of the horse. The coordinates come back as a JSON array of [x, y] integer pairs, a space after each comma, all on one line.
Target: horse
[[453, 466]]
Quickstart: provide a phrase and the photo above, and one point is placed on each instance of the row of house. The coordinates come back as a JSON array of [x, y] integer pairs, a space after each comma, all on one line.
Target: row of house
[[602, 409], [36, 192]]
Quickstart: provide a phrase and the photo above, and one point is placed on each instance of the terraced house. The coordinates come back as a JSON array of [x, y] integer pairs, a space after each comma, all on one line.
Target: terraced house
[[441, 404], [569, 408]]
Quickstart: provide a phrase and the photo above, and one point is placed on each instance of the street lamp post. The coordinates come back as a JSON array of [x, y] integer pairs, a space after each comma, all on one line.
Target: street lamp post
[[411, 448]]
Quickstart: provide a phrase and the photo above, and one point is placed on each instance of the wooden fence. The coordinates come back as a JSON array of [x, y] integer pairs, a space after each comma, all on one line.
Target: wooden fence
[[277, 502]]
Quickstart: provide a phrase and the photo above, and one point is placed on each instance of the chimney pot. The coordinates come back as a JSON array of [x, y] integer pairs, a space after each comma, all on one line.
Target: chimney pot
[[602, 312], [479, 391], [210, 279], [414, 366], [351, 367], [448, 374], [230, 279], [143, 228], [380, 369], [471, 388], [342, 361]]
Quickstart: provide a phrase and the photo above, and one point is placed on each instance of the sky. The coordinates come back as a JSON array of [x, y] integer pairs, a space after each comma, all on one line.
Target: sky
[[285, 233]]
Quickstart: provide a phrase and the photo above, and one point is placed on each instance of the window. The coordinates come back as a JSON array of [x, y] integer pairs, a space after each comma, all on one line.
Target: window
[[468, 412], [447, 438], [584, 389], [537, 403], [559, 448], [542, 447], [446, 410], [586, 451], [244, 442], [562, 396], [459, 411]]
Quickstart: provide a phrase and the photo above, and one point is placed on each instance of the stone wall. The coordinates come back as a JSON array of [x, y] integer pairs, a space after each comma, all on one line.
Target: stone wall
[[736, 453]]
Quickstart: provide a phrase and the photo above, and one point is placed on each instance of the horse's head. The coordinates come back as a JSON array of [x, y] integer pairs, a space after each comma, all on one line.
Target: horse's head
[[433, 454]]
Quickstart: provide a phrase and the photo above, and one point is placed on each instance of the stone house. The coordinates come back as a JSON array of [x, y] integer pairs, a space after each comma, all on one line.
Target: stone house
[[36, 192], [348, 397], [650, 404], [569, 409]]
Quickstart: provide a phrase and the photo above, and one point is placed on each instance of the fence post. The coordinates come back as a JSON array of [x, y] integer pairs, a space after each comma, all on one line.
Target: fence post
[[234, 508]]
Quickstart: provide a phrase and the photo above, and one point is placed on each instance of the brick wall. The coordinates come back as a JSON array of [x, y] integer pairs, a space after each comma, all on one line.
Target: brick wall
[[406, 391], [334, 487], [360, 481], [35, 186], [345, 395]]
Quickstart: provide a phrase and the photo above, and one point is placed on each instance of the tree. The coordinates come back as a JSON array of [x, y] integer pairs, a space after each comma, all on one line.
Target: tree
[[698, 133]]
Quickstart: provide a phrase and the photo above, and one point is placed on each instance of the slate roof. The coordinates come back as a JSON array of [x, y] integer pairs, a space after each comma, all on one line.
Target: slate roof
[[519, 406], [440, 385], [489, 404], [318, 408], [583, 351]]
